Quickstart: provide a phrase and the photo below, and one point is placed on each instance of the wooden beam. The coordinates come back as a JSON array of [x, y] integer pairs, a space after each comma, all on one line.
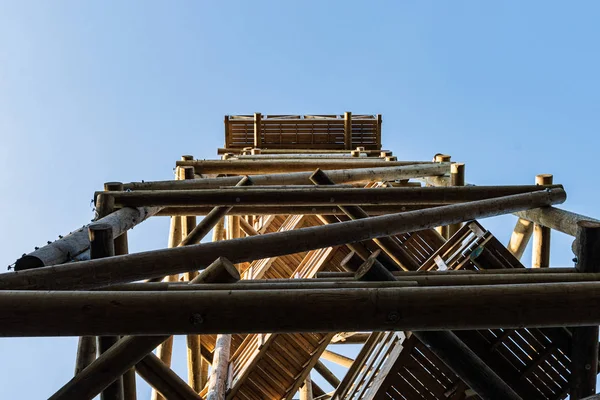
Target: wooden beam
[[306, 392], [555, 218], [121, 248], [443, 230], [102, 245], [73, 245], [541, 234], [257, 130], [86, 353], [217, 380], [385, 173], [286, 210], [584, 353], [164, 380], [339, 358], [196, 380], [457, 178], [258, 167], [128, 268], [520, 237], [319, 196], [78, 313], [131, 349], [510, 271], [450, 349], [348, 130], [164, 350], [327, 374]]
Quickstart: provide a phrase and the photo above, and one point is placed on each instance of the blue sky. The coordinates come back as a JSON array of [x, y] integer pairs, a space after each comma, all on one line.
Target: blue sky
[[103, 91]]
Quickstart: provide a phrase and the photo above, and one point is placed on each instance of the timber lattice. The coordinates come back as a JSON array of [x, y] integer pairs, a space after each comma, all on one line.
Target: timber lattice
[[318, 237]]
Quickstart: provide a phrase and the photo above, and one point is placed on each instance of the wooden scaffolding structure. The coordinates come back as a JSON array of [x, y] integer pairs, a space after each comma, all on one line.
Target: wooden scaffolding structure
[[318, 237]]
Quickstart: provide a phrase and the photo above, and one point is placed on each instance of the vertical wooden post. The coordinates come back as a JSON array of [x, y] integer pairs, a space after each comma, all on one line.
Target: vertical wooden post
[[217, 382], [86, 353], [165, 350], [194, 356], [520, 237], [306, 392], [541, 234], [348, 130], [122, 248], [257, 130], [227, 132], [102, 245], [584, 353], [457, 178], [444, 231], [378, 132]]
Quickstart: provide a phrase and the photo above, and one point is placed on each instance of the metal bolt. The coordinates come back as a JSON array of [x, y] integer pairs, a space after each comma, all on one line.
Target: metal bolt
[[196, 319], [588, 367], [237, 199], [393, 316]]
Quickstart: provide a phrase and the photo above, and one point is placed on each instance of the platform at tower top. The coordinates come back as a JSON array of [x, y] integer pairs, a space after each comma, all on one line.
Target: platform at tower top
[[332, 132]]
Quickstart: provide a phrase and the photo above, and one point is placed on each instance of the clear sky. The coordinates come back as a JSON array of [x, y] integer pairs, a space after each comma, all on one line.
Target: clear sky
[[95, 91]]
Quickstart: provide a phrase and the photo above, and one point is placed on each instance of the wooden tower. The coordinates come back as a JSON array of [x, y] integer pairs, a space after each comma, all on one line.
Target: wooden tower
[[318, 237]]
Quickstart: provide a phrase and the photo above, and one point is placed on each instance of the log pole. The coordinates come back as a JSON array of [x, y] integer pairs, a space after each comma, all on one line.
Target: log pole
[[306, 392], [348, 130], [520, 237], [163, 380], [131, 349], [457, 178], [443, 230], [345, 175], [541, 234], [257, 130], [102, 245], [217, 381], [584, 353], [128, 268], [164, 351], [339, 359], [121, 248]]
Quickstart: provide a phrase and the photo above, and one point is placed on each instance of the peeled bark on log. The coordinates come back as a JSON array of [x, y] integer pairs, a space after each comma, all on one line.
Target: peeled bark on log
[[72, 245]]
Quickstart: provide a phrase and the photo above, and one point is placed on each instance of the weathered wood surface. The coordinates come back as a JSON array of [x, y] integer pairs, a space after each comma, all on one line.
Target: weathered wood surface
[[164, 380], [584, 353], [553, 270], [77, 242], [210, 221], [41, 313], [401, 281], [362, 174], [257, 167], [102, 245], [318, 196], [520, 237], [128, 351], [555, 218], [540, 254], [128, 268], [288, 210]]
